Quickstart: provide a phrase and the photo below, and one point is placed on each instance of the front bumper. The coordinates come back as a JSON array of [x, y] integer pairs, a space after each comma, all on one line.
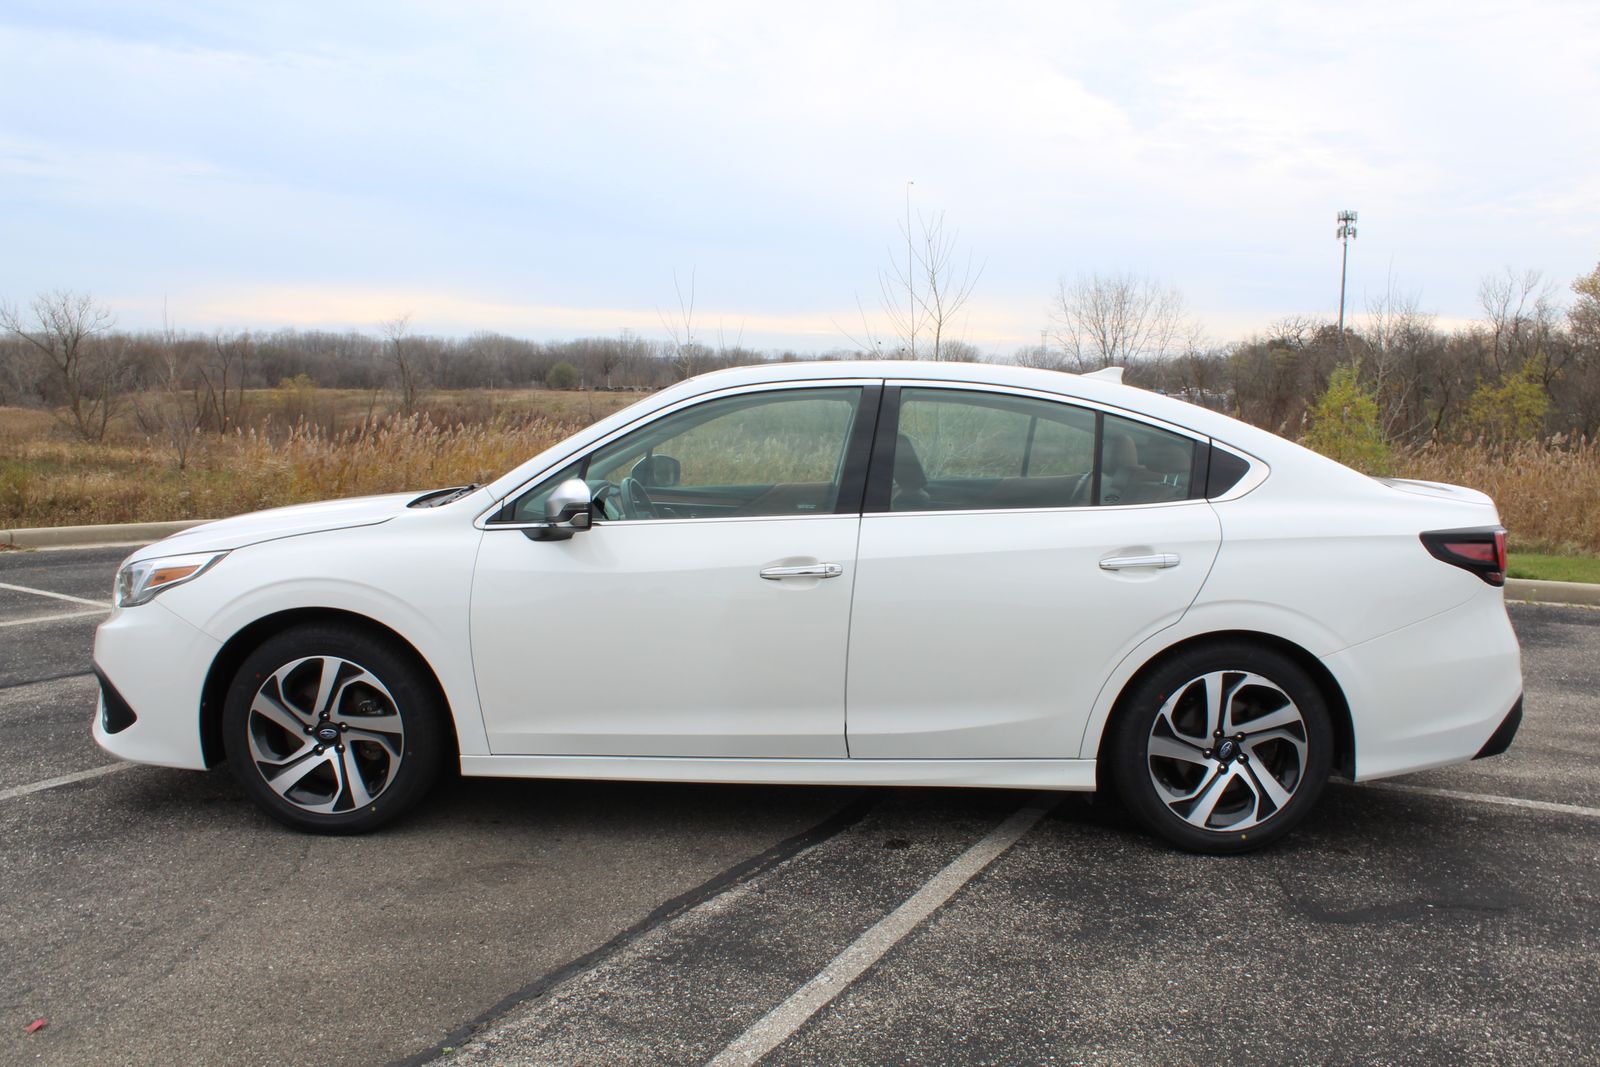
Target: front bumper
[[152, 667], [115, 713]]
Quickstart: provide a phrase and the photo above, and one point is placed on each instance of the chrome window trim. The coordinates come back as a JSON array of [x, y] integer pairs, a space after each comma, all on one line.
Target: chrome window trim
[[1058, 398], [1199, 440], [483, 522], [1076, 509], [601, 524]]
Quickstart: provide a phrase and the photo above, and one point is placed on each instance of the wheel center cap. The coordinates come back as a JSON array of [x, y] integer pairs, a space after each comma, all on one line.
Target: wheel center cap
[[328, 734], [1227, 750]]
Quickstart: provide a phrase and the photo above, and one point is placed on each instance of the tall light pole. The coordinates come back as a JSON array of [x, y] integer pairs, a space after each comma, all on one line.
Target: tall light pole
[[911, 290], [1346, 233]]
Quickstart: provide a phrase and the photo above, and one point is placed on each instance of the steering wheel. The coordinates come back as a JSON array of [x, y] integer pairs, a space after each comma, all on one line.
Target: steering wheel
[[608, 502], [636, 503]]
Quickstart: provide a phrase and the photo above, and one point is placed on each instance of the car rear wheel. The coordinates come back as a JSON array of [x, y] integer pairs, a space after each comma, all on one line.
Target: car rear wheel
[[333, 730], [1223, 748]]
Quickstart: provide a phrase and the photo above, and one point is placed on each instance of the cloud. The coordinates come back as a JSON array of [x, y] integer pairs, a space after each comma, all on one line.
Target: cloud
[[572, 156]]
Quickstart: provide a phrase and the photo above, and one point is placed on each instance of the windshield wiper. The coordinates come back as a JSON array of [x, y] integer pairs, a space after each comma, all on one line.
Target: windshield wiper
[[443, 496]]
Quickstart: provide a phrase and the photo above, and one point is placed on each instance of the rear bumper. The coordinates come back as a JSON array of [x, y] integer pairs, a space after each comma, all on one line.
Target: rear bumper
[[1433, 693], [1500, 740]]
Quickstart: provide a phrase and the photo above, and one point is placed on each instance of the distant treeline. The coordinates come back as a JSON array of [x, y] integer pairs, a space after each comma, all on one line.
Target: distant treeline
[[1529, 368]]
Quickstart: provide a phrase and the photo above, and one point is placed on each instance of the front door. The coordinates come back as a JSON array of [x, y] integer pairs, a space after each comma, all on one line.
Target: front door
[[707, 611]]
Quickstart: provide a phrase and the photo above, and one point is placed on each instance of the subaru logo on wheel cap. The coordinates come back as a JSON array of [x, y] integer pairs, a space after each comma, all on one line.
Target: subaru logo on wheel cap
[[328, 733]]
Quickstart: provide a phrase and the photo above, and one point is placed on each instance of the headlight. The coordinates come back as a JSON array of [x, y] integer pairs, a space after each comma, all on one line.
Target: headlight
[[138, 583]]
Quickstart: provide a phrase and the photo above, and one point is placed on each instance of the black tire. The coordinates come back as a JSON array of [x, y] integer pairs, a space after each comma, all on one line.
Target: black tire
[[375, 707], [1222, 791]]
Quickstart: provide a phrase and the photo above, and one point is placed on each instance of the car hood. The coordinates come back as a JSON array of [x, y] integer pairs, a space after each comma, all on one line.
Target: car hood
[[270, 525]]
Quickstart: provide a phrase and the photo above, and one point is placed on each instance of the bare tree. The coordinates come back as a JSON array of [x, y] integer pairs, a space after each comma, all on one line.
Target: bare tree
[[1520, 313], [87, 370], [1395, 354], [606, 357], [179, 407], [14, 382], [1116, 319], [1200, 376], [223, 375], [403, 360], [936, 284], [1581, 391], [1273, 378], [1584, 314], [688, 354], [1040, 356]]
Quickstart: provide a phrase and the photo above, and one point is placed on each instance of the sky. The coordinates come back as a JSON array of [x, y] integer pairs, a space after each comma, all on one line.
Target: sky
[[555, 170]]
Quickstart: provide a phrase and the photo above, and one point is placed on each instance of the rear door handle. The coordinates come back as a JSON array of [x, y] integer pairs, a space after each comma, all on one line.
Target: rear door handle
[[810, 570], [1159, 559]]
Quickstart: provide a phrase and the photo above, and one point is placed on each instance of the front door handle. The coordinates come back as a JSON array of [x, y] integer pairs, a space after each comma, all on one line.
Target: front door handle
[[1159, 559], [810, 570]]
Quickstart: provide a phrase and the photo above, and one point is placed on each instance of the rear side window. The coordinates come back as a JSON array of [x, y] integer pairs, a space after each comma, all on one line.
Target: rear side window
[[1140, 464], [957, 450], [1224, 472]]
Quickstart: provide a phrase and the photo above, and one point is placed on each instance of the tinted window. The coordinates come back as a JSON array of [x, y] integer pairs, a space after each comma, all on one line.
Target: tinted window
[[1225, 471], [966, 450], [757, 454], [1140, 464]]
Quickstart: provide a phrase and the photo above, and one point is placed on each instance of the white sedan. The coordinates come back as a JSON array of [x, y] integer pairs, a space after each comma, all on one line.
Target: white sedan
[[853, 573]]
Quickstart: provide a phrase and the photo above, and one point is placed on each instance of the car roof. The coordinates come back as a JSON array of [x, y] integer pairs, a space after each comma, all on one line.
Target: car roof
[[1083, 386]]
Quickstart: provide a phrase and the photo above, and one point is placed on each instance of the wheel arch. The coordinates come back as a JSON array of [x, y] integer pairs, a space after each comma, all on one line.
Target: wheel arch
[[226, 664], [1344, 753]]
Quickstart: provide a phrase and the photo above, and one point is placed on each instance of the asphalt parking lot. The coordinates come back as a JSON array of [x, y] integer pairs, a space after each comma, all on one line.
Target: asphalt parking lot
[[152, 916]]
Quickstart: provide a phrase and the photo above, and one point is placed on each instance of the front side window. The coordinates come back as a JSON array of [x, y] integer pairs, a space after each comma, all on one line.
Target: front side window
[[971, 451], [754, 455]]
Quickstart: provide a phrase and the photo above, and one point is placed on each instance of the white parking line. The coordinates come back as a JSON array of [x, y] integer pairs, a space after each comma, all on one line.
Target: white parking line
[[65, 779], [55, 596], [1485, 798], [54, 618], [781, 1022]]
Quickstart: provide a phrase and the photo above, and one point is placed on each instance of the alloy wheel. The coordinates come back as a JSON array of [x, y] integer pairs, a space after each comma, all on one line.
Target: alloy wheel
[[325, 734], [1227, 750]]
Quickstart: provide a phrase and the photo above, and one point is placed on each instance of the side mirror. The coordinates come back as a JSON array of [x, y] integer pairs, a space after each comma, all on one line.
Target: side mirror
[[568, 509]]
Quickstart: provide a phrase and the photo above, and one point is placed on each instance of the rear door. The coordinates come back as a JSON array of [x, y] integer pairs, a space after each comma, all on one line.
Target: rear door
[[1015, 548]]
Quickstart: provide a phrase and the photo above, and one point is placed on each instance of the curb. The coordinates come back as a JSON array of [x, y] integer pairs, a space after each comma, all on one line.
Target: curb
[[1539, 592], [140, 533], [130, 533]]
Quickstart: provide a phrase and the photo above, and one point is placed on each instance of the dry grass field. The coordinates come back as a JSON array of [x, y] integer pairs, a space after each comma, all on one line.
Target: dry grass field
[[312, 446], [302, 444], [1548, 493]]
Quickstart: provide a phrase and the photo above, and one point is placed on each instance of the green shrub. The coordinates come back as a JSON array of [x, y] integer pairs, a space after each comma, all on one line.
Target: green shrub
[[1344, 425], [1512, 411], [562, 376]]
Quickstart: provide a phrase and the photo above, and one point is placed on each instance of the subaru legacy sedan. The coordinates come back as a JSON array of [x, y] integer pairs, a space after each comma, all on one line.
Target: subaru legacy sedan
[[877, 573]]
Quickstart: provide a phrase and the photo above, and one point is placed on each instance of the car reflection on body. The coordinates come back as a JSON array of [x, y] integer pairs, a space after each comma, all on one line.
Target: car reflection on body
[[859, 573]]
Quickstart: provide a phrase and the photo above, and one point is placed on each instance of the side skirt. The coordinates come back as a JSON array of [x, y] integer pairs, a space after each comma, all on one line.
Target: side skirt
[[1063, 774]]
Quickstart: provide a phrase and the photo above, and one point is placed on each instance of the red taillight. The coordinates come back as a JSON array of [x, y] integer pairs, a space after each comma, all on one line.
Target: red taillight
[[1481, 550]]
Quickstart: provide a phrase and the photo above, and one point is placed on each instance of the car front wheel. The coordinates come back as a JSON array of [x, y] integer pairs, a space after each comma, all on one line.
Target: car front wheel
[[1223, 748], [332, 730]]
